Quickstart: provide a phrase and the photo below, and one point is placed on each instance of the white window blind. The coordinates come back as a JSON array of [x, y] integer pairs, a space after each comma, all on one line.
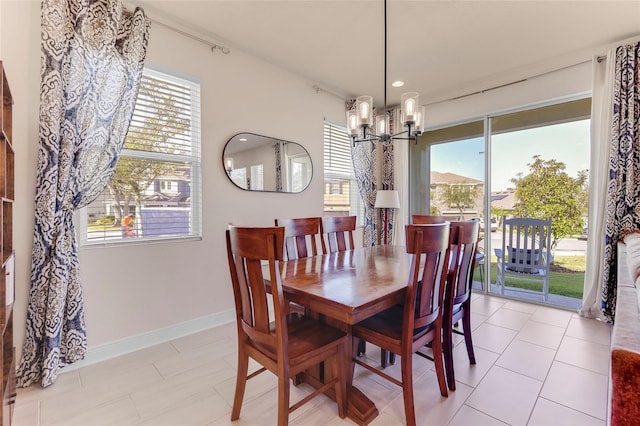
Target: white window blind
[[341, 195], [156, 190]]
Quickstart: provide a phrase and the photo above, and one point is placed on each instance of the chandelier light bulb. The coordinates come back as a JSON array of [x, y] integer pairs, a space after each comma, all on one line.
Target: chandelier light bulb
[[352, 122]]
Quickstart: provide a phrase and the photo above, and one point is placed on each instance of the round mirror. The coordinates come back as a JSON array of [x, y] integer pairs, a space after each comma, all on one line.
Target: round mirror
[[260, 163]]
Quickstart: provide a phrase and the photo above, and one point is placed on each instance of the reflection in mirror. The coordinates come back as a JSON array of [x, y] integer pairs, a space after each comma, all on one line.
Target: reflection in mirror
[[260, 163]]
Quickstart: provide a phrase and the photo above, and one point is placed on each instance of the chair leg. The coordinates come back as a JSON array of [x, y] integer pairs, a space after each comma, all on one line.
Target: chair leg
[[241, 382], [362, 346], [407, 388], [283, 398], [447, 349], [466, 328], [437, 359], [387, 358]]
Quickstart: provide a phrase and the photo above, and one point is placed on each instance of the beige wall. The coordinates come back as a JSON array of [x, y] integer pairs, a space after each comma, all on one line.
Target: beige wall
[[137, 289]]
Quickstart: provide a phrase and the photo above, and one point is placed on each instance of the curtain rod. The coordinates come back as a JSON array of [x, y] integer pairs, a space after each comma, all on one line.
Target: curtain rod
[[213, 46], [598, 58]]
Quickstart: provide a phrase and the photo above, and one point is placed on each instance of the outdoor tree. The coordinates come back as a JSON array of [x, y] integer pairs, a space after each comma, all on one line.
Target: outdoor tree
[[460, 196], [160, 124], [548, 191]]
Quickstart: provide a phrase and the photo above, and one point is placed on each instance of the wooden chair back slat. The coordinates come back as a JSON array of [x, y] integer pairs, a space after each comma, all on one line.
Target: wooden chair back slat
[[425, 289], [339, 231], [300, 233]]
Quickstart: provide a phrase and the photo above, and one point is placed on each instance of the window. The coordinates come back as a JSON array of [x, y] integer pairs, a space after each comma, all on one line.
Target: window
[[341, 195], [155, 191], [538, 167]]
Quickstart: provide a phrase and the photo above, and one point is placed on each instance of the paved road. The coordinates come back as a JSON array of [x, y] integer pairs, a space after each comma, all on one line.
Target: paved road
[[566, 246]]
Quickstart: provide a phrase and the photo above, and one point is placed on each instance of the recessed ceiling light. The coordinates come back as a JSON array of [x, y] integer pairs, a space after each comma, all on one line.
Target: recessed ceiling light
[[397, 83]]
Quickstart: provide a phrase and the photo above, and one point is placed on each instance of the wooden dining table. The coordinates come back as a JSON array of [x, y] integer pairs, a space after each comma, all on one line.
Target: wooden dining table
[[347, 287]]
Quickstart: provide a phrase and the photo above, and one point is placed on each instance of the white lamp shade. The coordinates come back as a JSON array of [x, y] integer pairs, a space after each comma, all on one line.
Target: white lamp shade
[[387, 199]]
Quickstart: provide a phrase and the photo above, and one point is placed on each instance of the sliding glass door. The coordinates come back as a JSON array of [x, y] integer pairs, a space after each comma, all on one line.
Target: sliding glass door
[[530, 164]]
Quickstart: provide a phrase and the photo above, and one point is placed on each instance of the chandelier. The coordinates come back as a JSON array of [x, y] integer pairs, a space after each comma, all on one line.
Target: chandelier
[[360, 124]]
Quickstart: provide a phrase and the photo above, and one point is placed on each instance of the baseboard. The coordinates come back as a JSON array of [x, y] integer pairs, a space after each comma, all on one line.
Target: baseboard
[[140, 341]]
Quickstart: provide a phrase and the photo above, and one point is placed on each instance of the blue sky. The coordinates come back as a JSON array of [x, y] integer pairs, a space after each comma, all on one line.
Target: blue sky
[[566, 142]]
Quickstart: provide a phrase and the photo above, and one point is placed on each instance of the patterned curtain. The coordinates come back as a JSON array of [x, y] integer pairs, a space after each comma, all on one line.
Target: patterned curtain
[[277, 148], [623, 194], [386, 178], [365, 164], [92, 54]]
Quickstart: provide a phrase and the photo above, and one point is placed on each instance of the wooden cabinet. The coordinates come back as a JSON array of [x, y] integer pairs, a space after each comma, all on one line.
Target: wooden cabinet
[[7, 288]]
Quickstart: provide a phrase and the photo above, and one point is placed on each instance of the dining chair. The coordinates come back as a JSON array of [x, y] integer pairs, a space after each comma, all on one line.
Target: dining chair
[[339, 232], [300, 234], [405, 329], [417, 219], [289, 345], [463, 245], [463, 248]]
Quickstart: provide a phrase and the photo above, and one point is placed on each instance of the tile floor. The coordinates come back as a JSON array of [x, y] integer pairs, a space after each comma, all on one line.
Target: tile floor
[[535, 366]]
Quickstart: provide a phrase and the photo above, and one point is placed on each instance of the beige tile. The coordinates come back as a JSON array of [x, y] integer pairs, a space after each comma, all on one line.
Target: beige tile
[[551, 316], [66, 382], [325, 412], [420, 367], [59, 408], [508, 318], [526, 358], [577, 388], [541, 334], [176, 391], [263, 410], [468, 416], [430, 407], [207, 358], [262, 383], [203, 409], [120, 411], [203, 338], [506, 396], [590, 329], [585, 354], [527, 308], [477, 320], [128, 362], [492, 337], [126, 379], [26, 414], [486, 305], [381, 395], [469, 374], [548, 413]]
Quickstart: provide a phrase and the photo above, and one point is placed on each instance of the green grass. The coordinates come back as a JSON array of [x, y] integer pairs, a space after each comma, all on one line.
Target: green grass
[[566, 277]]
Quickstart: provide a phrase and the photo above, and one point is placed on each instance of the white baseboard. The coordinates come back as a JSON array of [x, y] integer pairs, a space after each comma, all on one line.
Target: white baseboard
[[140, 341]]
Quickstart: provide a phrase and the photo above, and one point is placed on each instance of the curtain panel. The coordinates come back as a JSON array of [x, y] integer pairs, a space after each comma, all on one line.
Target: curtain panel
[[92, 54], [623, 191], [365, 165], [601, 112], [400, 182]]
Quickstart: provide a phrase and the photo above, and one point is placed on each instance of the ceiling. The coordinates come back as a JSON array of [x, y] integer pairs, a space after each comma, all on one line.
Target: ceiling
[[439, 48]]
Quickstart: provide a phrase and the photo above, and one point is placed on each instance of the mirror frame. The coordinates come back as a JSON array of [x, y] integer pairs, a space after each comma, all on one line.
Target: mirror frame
[[268, 139]]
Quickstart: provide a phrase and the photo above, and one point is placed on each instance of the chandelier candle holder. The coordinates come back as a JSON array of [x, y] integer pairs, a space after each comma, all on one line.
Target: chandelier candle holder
[[360, 124]]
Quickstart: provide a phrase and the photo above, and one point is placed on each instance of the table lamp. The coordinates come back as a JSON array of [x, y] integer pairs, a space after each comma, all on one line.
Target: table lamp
[[387, 199]]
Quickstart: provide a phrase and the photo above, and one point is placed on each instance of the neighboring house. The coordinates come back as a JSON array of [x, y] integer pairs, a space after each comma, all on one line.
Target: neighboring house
[[440, 183], [170, 190]]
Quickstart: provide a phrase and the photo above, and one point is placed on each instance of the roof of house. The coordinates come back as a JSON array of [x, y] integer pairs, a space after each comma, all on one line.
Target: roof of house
[[449, 178], [503, 199]]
